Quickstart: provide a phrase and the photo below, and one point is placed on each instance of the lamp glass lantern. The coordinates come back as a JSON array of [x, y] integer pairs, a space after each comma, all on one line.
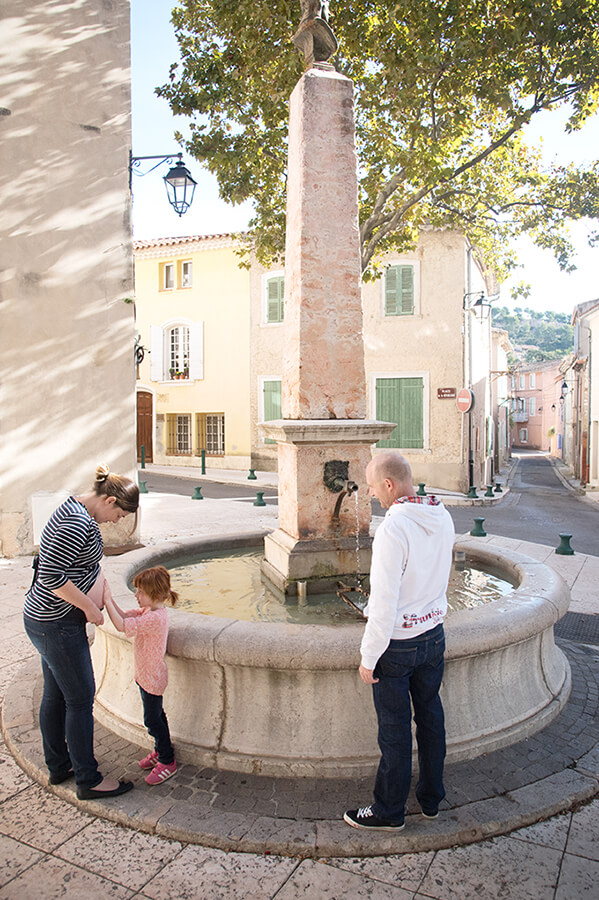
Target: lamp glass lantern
[[180, 188]]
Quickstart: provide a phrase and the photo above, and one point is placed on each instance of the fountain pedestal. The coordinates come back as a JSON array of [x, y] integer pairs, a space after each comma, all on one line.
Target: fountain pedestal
[[311, 543], [324, 383]]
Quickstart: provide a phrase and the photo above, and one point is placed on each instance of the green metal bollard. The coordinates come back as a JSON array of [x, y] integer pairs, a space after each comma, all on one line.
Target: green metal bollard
[[421, 492], [498, 489], [203, 455], [142, 487], [478, 530], [197, 494], [143, 456], [252, 476], [259, 501], [471, 493], [564, 548], [489, 491]]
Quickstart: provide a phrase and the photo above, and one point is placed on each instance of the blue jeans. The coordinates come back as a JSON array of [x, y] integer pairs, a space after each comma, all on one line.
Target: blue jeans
[[410, 668], [66, 710], [156, 722]]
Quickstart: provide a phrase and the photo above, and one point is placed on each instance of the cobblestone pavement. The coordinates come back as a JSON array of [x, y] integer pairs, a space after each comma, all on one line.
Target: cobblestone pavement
[[51, 848]]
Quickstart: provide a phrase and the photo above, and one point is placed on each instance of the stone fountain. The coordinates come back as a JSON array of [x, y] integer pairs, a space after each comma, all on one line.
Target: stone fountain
[[286, 699]]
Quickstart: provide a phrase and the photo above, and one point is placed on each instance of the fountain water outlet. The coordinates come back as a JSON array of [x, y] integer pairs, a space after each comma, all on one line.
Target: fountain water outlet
[[336, 479]]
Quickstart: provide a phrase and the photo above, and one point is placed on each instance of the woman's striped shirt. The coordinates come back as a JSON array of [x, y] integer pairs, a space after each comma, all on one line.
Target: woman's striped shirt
[[71, 548]]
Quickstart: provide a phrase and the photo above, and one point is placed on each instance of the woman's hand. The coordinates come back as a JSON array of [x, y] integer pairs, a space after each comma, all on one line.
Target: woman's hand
[[94, 615]]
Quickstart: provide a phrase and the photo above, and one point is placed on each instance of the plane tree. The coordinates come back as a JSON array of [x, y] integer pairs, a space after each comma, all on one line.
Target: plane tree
[[444, 92]]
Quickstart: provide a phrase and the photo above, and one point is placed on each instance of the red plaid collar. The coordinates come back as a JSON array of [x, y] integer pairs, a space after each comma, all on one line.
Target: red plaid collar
[[430, 500]]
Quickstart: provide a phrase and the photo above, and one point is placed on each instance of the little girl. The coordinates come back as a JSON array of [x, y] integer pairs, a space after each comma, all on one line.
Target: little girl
[[148, 627]]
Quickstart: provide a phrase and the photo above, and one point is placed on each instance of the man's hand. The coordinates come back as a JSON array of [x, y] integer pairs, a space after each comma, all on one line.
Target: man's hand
[[367, 675]]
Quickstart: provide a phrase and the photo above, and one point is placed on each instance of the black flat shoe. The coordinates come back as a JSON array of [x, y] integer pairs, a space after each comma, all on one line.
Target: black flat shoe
[[91, 794], [60, 777]]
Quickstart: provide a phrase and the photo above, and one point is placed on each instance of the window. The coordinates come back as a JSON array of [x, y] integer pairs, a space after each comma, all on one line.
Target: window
[[186, 273], [178, 435], [178, 352], [167, 282], [532, 380], [275, 293], [524, 435], [522, 382], [532, 406], [401, 400], [271, 402], [210, 434], [513, 382], [399, 291]]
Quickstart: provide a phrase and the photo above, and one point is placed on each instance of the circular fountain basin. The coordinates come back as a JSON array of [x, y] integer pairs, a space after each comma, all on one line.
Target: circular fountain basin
[[286, 699]]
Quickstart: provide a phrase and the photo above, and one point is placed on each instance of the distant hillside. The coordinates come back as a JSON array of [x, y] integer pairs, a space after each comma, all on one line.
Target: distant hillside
[[536, 336]]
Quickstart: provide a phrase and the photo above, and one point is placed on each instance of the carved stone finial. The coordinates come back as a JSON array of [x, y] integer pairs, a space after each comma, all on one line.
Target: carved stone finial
[[313, 36]]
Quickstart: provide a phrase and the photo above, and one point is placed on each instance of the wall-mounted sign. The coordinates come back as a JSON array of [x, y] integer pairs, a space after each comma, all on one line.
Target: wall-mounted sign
[[464, 400], [446, 393]]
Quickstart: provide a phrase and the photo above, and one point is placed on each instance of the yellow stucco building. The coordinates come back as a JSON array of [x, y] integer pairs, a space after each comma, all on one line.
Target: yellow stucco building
[[192, 315]]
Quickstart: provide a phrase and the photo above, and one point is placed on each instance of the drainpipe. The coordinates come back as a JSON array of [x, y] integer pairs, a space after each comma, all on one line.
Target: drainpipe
[[468, 364]]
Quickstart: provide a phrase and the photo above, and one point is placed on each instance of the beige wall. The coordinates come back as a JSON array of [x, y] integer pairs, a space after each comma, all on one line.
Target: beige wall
[[217, 303], [66, 342], [430, 343]]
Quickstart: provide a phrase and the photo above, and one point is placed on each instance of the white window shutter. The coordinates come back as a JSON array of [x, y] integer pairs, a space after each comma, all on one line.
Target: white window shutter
[[196, 351], [156, 351]]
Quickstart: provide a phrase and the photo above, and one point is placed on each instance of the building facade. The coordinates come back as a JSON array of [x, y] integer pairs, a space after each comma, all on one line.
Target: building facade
[[581, 380], [537, 407], [193, 323], [67, 337]]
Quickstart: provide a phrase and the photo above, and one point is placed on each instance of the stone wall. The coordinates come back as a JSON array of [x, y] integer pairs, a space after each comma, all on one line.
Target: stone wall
[[67, 336]]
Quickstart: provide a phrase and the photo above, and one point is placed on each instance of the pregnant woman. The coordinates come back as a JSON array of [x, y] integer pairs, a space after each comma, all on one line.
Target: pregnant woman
[[66, 594]]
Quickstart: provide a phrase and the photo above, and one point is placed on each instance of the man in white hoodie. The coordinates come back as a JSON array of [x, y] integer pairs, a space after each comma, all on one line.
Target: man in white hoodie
[[403, 644]]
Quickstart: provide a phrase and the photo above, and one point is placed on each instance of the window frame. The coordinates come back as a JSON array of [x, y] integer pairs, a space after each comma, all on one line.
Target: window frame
[[266, 278], [173, 423], [415, 266], [182, 264], [164, 268], [201, 423]]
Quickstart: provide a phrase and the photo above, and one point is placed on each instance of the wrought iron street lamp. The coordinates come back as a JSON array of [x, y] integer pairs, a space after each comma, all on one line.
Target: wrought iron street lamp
[[180, 186]]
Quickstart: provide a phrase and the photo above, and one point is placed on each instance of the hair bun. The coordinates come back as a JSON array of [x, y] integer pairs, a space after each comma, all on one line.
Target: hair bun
[[102, 472]]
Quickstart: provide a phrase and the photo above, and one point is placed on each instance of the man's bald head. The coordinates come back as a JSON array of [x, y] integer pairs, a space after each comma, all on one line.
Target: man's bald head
[[389, 476]]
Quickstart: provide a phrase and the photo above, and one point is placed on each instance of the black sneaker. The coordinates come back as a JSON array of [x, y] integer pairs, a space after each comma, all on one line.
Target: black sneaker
[[365, 818], [430, 813]]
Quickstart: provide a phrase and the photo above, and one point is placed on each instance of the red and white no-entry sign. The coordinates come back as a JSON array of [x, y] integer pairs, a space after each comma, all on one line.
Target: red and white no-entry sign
[[464, 400]]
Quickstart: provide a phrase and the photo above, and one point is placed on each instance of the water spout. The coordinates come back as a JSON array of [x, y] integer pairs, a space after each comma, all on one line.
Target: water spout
[[349, 488]]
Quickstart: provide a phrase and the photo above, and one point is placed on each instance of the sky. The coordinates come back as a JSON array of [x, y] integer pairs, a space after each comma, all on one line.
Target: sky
[[154, 48]]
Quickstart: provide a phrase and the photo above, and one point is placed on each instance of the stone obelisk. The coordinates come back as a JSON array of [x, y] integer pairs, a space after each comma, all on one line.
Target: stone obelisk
[[324, 426]]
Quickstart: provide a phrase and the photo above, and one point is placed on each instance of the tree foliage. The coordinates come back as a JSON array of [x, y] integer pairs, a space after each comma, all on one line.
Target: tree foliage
[[546, 335], [443, 92]]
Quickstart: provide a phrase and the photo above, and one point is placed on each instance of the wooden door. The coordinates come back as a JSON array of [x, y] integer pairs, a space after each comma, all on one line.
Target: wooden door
[[144, 425]]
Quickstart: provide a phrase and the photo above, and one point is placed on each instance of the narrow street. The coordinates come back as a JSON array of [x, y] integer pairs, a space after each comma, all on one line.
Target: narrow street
[[538, 508]]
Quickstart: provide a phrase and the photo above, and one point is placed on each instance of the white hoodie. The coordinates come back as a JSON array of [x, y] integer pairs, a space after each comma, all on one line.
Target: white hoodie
[[411, 561]]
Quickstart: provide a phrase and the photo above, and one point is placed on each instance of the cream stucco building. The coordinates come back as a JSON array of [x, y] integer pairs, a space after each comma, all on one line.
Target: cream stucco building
[[427, 335], [67, 334], [193, 319]]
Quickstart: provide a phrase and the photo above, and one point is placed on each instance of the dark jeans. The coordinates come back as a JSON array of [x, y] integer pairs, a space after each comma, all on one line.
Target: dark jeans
[[410, 668], [156, 722], [66, 711]]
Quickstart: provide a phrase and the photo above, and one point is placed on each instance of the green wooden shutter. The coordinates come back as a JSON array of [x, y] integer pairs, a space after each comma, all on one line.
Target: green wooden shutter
[[275, 297], [407, 290], [391, 280], [399, 291], [401, 400], [272, 403]]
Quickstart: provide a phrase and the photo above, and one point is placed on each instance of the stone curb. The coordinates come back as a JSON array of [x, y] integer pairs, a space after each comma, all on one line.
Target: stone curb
[[252, 833]]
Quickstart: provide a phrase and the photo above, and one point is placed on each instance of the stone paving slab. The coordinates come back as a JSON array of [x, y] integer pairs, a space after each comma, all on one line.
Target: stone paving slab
[[547, 773]]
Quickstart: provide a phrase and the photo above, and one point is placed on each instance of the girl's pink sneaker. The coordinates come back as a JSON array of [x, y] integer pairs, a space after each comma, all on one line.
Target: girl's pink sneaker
[[149, 761], [160, 772]]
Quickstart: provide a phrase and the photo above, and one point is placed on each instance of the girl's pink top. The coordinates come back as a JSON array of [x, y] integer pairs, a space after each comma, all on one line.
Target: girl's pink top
[[149, 630]]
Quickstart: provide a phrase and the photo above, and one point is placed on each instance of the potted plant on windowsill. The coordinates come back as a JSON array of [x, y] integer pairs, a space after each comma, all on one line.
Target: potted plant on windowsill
[[172, 373], [186, 373]]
